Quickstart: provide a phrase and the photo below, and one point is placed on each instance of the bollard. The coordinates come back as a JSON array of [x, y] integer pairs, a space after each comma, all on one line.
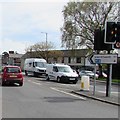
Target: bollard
[[85, 84], [82, 85]]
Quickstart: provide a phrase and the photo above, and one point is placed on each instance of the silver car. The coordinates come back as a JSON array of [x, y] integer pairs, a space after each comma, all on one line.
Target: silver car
[[87, 73]]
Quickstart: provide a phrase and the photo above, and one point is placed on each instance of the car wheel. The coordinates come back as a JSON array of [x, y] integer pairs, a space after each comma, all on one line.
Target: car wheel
[[26, 73], [47, 78], [74, 82], [21, 84], [35, 74], [58, 79], [3, 83]]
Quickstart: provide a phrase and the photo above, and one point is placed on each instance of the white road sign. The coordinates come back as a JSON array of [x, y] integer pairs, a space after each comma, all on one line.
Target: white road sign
[[104, 58]]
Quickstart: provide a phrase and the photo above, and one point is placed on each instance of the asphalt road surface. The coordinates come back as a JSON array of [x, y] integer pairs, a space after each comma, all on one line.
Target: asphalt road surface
[[39, 98]]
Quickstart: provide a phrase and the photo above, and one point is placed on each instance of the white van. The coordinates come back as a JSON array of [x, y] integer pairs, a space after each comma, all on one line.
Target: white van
[[61, 73], [35, 66]]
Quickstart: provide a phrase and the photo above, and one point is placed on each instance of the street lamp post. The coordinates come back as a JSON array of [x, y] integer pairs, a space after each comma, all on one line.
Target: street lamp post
[[46, 39], [46, 45]]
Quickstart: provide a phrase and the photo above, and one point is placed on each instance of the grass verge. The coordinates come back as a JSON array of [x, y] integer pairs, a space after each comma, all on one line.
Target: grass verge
[[113, 80]]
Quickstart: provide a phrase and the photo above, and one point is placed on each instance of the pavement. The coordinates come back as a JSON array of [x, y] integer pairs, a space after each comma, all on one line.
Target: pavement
[[96, 95]]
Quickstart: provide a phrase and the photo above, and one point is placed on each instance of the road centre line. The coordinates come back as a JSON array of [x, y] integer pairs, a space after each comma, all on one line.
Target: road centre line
[[35, 82], [68, 93]]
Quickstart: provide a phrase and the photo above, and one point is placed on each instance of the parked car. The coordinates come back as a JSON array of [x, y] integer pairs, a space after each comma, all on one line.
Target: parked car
[[11, 74], [87, 73], [61, 73]]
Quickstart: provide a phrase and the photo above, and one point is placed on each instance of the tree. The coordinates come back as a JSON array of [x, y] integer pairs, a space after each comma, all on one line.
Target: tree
[[82, 18], [40, 49], [57, 54]]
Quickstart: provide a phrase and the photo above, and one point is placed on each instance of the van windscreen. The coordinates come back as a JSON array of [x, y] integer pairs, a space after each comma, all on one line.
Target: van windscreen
[[40, 64], [64, 69]]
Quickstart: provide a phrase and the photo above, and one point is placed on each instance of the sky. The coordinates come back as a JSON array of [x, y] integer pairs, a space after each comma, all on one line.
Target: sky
[[23, 21]]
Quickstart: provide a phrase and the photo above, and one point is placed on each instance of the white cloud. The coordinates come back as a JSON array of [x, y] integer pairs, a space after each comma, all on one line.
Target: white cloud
[[35, 0], [24, 21], [26, 16]]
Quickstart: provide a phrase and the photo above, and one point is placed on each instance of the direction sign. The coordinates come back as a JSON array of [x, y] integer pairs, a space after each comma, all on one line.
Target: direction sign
[[103, 58]]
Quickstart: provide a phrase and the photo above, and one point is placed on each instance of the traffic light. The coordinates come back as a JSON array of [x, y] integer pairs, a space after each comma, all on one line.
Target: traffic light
[[118, 32], [99, 41], [117, 44], [110, 33]]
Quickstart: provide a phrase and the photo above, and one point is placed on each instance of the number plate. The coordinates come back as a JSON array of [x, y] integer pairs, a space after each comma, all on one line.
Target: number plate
[[13, 76], [72, 78]]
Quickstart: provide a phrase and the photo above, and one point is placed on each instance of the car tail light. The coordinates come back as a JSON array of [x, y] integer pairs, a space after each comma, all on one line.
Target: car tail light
[[19, 76]]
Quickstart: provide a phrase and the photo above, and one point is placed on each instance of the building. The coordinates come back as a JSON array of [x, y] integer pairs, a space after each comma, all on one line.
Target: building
[[11, 58], [15, 59], [75, 58]]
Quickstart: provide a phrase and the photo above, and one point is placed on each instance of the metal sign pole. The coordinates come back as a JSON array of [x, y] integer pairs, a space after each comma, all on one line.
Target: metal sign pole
[[94, 80], [109, 81], [110, 78]]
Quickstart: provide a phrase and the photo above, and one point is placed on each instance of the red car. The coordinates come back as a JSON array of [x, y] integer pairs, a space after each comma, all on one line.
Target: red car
[[12, 74]]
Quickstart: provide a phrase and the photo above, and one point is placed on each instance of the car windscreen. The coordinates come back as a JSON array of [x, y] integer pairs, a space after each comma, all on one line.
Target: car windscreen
[[88, 72], [12, 70], [64, 69], [40, 64]]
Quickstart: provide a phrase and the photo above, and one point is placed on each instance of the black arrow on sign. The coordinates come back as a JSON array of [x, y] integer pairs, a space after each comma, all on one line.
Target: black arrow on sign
[[91, 59]]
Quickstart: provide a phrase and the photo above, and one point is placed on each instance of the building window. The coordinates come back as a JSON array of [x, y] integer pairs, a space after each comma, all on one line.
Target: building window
[[78, 60], [63, 60], [55, 60], [16, 60], [69, 60]]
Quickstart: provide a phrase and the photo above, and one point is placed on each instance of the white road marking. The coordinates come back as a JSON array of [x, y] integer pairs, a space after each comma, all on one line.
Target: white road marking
[[68, 93], [35, 82], [111, 92], [68, 84], [16, 84], [115, 92]]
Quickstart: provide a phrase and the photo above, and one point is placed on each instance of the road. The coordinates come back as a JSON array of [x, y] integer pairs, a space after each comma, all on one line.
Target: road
[[39, 98]]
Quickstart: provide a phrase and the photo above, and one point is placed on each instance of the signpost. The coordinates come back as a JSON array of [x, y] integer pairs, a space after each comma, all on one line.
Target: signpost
[[103, 59], [102, 40]]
